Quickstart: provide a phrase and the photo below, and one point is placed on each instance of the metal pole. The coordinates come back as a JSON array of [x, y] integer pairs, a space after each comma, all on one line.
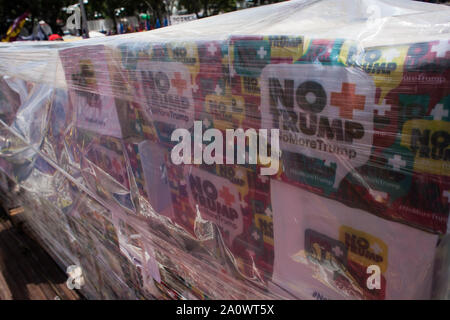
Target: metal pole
[[84, 25]]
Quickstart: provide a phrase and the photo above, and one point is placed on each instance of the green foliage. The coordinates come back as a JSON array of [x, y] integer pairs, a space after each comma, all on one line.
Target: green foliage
[[204, 8]]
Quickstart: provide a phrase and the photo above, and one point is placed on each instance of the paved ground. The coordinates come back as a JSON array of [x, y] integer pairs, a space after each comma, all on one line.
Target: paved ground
[[27, 272]]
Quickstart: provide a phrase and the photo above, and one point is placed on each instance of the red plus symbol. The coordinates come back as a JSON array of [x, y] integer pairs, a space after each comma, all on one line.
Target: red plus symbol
[[347, 100], [225, 194], [179, 83]]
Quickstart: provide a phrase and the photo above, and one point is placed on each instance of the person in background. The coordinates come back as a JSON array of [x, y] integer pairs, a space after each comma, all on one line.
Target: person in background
[[42, 31]]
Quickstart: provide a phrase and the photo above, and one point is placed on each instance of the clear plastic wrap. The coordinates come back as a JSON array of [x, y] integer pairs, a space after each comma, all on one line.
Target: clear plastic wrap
[[360, 93]]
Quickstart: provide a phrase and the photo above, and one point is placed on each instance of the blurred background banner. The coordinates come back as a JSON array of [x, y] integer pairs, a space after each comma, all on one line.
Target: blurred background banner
[[177, 19]]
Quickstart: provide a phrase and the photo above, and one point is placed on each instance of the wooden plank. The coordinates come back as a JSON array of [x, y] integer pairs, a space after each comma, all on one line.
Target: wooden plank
[[27, 271], [16, 261], [59, 285]]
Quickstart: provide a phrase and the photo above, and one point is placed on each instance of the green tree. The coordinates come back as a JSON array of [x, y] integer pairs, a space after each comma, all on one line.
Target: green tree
[[207, 7], [51, 10], [158, 9]]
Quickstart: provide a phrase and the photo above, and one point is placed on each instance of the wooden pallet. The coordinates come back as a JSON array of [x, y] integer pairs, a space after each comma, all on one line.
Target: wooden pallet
[[27, 271]]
